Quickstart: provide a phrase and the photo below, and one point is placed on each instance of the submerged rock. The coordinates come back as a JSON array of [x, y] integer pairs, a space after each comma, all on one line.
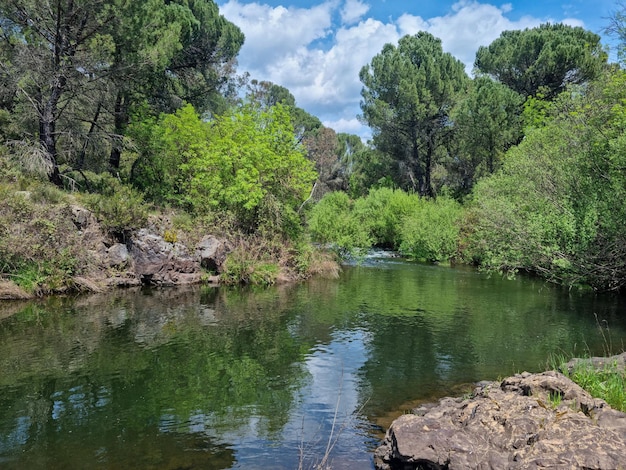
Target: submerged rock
[[528, 421]]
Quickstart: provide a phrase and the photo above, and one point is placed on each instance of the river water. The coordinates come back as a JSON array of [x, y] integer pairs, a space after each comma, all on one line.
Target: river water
[[215, 378]]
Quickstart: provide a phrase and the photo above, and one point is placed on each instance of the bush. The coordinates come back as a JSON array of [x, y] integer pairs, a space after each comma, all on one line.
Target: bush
[[39, 244], [332, 222], [383, 210], [119, 213], [430, 232]]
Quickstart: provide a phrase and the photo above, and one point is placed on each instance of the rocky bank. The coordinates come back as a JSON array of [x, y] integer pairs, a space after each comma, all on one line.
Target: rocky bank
[[528, 421]]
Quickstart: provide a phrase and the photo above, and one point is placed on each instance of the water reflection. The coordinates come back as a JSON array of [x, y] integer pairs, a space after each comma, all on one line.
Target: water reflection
[[215, 378]]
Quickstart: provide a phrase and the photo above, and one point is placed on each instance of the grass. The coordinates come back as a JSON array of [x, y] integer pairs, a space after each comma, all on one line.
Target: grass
[[608, 383]]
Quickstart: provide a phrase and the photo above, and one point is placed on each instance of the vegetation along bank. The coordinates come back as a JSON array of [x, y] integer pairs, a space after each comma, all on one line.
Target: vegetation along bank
[[149, 130]]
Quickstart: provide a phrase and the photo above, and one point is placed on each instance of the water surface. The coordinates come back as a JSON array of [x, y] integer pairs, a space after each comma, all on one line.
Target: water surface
[[212, 378]]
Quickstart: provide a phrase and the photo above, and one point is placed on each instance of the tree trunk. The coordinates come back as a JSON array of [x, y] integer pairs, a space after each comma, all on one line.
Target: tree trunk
[[120, 115], [47, 128]]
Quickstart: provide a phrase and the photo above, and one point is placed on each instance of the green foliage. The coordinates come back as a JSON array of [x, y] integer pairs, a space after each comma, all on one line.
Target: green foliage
[[246, 163], [407, 96], [331, 222], [608, 384], [547, 57], [487, 122], [39, 245], [249, 155], [556, 208], [119, 211], [382, 212], [165, 145], [419, 228], [430, 232]]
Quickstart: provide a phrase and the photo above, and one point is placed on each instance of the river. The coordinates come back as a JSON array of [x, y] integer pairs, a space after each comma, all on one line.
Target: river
[[216, 378]]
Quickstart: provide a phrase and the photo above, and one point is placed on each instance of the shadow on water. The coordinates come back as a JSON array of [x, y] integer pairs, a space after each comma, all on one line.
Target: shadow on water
[[242, 378]]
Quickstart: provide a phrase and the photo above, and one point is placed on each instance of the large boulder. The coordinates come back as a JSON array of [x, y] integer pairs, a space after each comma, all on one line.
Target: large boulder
[[212, 252], [528, 421], [161, 263]]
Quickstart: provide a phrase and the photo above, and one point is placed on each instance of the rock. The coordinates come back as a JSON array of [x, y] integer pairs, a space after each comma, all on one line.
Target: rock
[[157, 262], [619, 362], [82, 218], [117, 256], [212, 253], [528, 421]]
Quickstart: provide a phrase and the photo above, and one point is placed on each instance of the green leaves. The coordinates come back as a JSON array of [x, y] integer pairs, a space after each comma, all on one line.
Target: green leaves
[[556, 207], [243, 162], [407, 95], [548, 57]]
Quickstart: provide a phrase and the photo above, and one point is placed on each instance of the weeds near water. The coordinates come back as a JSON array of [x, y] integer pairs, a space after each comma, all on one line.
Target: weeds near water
[[607, 381]]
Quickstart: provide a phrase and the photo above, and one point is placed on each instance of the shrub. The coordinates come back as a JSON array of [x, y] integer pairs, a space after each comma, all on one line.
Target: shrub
[[332, 222], [120, 212], [383, 211], [431, 230]]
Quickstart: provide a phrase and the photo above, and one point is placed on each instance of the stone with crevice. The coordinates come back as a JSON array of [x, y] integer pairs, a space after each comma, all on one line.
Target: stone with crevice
[[527, 421]]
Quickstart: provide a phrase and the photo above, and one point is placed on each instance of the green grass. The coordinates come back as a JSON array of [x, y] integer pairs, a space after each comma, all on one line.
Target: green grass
[[608, 383]]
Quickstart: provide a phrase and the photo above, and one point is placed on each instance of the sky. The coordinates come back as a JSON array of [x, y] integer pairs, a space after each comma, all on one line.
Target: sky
[[316, 48]]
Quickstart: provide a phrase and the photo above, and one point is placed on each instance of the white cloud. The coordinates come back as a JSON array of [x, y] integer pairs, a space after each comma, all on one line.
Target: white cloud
[[273, 33], [353, 11], [300, 49], [469, 26]]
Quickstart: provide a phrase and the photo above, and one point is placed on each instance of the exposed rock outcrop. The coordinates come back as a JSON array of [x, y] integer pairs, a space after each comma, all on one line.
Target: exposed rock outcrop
[[212, 253], [157, 262], [618, 362], [528, 421]]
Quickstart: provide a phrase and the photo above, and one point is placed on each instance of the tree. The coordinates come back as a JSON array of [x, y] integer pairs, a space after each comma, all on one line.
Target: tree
[[548, 57], [246, 162], [267, 94], [408, 93], [556, 207], [170, 53], [322, 149], [57, 48], [487, 122], [82, 65]]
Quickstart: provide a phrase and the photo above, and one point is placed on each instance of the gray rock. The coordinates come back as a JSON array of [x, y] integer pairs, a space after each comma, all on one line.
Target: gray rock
[[528, 421], [157, 262], [118, 256], [212, 253], [619, 362], [82, 217]]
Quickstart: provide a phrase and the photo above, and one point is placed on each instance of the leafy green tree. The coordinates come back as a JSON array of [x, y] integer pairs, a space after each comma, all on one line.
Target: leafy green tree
[[548, 58], [74, 69], [246, 162], [167, 54], [408, 93], [268, 94], [487, 122], [56, 48], [556, 207]]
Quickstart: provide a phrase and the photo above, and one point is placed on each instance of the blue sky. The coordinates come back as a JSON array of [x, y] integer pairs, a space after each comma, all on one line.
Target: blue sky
[[316, 48]]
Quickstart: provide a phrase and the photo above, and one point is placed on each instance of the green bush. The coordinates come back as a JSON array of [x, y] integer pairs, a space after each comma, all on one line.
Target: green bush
[[122, 211], [430, 232], [332, 222], [383, 211], [247, 266]]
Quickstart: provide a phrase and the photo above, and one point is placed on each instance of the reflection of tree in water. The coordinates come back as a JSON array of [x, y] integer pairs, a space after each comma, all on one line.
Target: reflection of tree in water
[[111, 373]]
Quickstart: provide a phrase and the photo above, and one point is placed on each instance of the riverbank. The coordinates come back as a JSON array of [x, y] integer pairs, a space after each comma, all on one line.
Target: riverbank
[[525, 421], [55, 242]]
